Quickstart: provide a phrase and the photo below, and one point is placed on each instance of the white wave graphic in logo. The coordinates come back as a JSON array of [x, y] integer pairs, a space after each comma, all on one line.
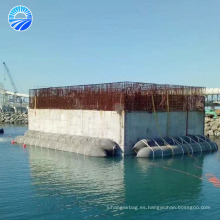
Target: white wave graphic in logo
[[20, 24]]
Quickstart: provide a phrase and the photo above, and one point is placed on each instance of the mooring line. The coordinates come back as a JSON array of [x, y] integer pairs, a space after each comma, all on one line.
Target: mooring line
[[215, 181], [175, 141], [176, 170], [184, 141], [190, 155], [145, 142], [168, 146], [209, 177], [159, 147], [196, 143], [204, 142], [209, 140]]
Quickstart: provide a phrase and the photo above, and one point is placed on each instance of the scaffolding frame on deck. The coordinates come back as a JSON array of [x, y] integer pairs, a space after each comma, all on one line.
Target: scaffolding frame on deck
[[120, 96]]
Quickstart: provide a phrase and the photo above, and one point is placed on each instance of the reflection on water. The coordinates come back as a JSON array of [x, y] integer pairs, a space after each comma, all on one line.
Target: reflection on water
[[89, 180], [98, 182], [217, 140], [165, 183], [40, 183]]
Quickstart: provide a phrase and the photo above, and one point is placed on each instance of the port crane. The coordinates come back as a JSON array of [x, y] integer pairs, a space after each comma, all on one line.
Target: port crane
[[11, 99], [10, 78]]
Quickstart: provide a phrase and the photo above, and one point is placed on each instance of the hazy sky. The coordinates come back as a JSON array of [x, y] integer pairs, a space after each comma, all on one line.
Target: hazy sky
[[93, 41]]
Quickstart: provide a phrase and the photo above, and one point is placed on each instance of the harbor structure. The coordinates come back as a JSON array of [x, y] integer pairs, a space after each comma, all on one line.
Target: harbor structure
[[212, 97], [124, 112], [12, 101]]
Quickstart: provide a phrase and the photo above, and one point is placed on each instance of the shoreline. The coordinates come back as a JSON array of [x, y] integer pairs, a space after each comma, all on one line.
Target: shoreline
[[212, 127], [13, 118]]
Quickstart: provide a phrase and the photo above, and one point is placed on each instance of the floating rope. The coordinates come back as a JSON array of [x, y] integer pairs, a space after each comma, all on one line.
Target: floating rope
[[213, 179], [209, 177], [176, 170]]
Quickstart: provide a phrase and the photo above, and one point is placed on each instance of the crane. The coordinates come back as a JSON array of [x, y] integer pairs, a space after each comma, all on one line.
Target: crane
[[12, 99], [10, 78]]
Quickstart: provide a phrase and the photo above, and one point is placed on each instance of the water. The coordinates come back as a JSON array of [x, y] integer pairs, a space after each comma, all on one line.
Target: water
[[39, 183]]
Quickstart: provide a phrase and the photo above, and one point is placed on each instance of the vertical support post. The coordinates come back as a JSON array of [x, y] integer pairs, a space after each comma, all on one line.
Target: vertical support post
[[35, 104], [187, 114], [168, 115]]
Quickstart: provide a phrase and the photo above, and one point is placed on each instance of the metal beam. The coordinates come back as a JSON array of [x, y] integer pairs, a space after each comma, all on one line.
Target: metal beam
[[212, 91], [3, 91]]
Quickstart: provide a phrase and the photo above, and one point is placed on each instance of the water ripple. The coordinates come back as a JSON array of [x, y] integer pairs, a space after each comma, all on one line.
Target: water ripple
[[38, 183]]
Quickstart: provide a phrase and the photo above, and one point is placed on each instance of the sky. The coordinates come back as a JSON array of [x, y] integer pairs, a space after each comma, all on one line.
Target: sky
[[75, 42]]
